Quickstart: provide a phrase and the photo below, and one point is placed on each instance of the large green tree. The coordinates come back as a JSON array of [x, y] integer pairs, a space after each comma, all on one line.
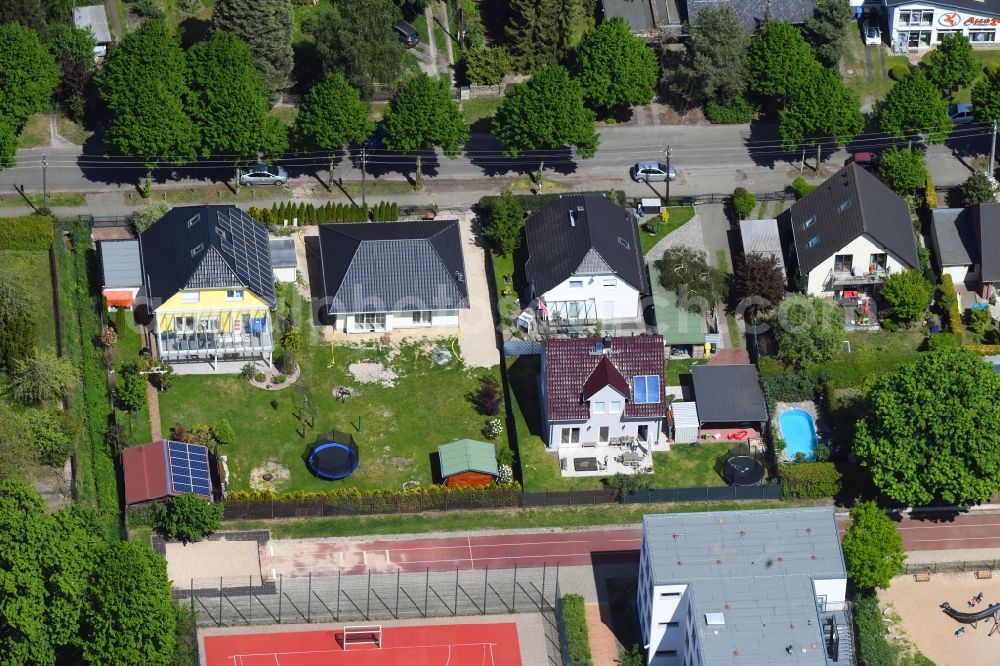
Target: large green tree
[[538, 31], [686, 272], [144, 83], [822, 109], [332, 116], [18, 326], [28, 13], [187, 518], [914, 106], [228, 101], [716, 69], [422, 115], [930, 430], [131, 617], [759, 281], [506, 224], [977, 189], [986, 96], [73, 49], [807, 329], [8, 155], [40, 377], [827, 30], [361, 45], [873, 548], [780, 61], [951, 64], [28, 73], [616, 68], [909, 293], [267, 28], [545, 113], [904, 170]]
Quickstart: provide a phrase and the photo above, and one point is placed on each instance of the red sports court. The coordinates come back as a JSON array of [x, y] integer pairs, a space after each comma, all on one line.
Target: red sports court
[[437, 645]]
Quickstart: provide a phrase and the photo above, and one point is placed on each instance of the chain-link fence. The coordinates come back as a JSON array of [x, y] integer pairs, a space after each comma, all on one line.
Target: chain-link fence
[[379, 597]]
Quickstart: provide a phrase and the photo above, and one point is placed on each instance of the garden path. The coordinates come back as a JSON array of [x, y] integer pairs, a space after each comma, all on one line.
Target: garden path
[[153, 403]]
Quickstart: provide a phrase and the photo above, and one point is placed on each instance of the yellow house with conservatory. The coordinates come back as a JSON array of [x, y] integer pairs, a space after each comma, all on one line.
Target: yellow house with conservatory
[[209, 286]]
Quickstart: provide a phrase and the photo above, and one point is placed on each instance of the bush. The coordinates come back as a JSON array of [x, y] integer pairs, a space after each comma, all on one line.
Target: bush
[[811, 480], [223, 433], [652, 225], [737, 112], [249, 370], [279, 379], [786, 385], [977, 189], [977, 321], [948, 298], [942, 341], [801, 187], [899, 72], [744, 202], [875, 649], [31, 232], [488, 398], [487, 65], [930, 194], [144, 218], [575, 623], [187, 517]]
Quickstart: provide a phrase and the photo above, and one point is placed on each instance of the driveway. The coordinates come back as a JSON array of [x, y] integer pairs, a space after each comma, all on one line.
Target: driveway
[[477, 331]]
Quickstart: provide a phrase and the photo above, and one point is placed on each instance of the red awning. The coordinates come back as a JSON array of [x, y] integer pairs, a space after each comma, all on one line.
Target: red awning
[[118, 299]]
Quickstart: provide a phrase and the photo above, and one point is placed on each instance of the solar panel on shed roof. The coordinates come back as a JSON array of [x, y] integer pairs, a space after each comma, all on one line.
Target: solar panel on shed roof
[[189, 469]]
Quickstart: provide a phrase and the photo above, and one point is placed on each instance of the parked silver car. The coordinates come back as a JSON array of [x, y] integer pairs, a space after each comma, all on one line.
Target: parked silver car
[[264, 174], [652, 172]]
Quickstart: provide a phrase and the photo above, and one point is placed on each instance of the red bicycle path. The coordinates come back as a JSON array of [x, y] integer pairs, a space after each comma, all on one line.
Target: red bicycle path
[[578, 548]]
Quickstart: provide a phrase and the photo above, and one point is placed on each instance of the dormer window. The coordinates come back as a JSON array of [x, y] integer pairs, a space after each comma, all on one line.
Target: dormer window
[[597, 407]]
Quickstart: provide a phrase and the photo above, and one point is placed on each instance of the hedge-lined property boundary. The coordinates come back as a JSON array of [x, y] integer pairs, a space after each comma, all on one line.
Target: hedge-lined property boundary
[[949, 297], [811, 480], [577, 637], [31, 232]]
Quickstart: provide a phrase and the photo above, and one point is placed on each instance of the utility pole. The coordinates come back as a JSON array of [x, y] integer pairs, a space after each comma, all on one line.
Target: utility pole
[[364, 165], [45, 188], [993, 146], [667, 155]]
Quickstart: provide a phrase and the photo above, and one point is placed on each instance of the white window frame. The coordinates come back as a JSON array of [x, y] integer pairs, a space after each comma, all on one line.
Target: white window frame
[[615, 407], [991, 34], [576, 284], [570, 435], [610, 282], [421, 317], [234, 294], [597, 407], [190, 296], [365, 321], [183, 324]]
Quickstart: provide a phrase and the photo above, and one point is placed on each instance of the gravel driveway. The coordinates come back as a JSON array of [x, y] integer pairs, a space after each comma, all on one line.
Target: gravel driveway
[[477, 335]]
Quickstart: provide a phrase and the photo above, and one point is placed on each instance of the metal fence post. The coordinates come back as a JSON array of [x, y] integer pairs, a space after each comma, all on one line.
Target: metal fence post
[[337, 618], [397, 593], [368, 602], [486, 583], [192, 597], [454, 610], [427, 585], [513, 593], [309, 600], [281, 578], [250, 588], [544, 567], [220, 600]]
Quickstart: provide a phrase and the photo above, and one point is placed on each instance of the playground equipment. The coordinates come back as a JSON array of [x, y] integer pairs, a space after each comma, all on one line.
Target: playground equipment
[[334, 456], [974, 618]]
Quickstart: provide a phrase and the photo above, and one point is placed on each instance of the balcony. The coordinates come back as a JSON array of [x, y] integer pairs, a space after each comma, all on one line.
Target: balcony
[[842, 279]]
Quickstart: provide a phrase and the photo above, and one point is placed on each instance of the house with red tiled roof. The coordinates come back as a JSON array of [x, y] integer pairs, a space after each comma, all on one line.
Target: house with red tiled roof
[[603, 392]]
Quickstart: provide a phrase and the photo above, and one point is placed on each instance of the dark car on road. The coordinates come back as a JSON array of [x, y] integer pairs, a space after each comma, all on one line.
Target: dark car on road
[[407, 34]]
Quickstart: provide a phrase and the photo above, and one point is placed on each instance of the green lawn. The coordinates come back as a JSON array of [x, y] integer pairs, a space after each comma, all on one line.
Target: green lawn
[[503, 269], [286, 114], [677, 368], [54, 199], [173, 16], [136, 425], [396, 428], [478, 113], [855, 71], [302, 11], [690, 465], [35, 133], [71, 131], [32, 271], [564, 517], [678, 217]]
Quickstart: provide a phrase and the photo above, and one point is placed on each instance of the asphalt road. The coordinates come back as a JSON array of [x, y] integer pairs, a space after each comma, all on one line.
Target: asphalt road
[[708, 158]]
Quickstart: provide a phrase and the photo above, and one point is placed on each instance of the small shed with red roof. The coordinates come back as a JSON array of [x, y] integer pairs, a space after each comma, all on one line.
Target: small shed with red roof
[[164, 469]]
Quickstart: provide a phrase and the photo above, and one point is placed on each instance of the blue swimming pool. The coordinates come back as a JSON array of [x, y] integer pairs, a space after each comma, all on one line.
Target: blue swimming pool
[[798, 431]]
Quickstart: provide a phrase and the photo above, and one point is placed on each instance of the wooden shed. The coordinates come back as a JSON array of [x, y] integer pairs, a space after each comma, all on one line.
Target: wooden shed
[[467, 463]]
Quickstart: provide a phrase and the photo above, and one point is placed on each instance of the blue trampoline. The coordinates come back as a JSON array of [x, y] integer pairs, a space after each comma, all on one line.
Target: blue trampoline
[[335, 459]]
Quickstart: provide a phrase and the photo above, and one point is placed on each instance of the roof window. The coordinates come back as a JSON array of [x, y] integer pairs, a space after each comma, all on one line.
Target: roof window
[[814, 241], [196, 249], [624, 243], [194, 220], [809, 222], [845, 205]]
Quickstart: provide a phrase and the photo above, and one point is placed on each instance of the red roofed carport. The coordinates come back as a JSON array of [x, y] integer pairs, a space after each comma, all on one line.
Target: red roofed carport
[[145, 471]]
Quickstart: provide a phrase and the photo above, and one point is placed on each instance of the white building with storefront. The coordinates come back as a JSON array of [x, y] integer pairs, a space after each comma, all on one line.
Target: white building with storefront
[[920, 25]]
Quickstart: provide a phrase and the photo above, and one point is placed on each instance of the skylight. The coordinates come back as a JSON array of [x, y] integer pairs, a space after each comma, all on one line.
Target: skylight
[[646, 389]]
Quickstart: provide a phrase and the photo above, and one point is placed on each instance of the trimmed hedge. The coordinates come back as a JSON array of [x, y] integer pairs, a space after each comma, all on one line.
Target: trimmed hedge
[[948, 297], [31, 232], [577, 636], [737, 112], [811, 480], [536, 202], [874, 647], [788, 385]]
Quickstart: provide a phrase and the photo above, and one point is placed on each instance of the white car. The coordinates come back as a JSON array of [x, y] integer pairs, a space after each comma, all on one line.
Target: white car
[[264, 174], [961, 114], [872, 34]]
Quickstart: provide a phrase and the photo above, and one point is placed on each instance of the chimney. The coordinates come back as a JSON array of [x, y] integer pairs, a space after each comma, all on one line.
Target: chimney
[[606, 341]]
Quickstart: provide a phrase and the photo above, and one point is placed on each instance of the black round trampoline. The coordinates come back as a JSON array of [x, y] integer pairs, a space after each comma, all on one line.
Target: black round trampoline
[[742, 471], [333, 460]]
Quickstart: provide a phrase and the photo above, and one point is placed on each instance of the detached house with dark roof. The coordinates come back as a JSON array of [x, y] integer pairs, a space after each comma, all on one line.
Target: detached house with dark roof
[[208, 285], [382, 277], [967, 241], [603, 392], [850, 233], [585, 261]]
